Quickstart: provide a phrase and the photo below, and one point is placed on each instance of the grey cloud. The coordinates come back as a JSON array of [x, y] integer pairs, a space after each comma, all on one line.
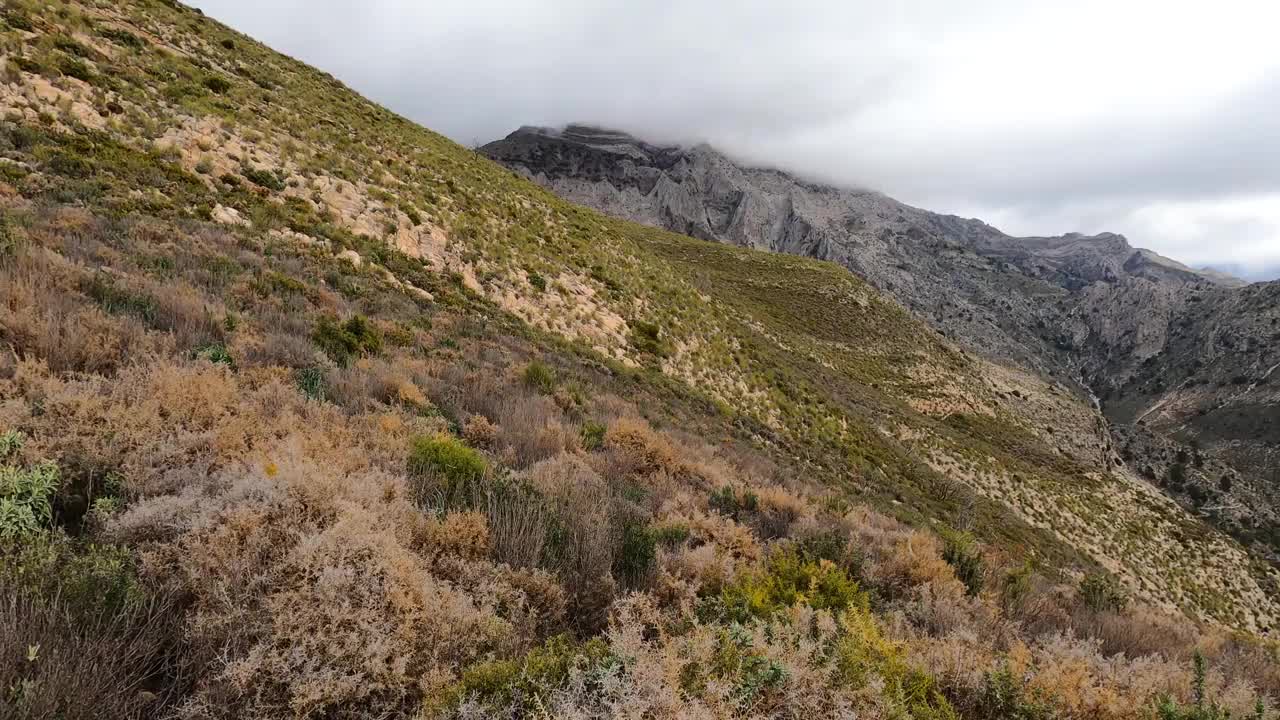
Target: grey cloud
[[954, 109]]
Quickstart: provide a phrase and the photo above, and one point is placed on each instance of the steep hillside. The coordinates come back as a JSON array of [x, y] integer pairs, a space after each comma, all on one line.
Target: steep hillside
[[306, 411], [1188, 353]]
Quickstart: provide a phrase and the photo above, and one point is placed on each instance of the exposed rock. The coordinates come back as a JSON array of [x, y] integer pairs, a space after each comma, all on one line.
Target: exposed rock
[[227, 215]]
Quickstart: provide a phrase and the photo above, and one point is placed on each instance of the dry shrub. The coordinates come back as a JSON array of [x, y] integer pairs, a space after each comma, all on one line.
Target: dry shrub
[[460, 393], [635, 449], [790, 667], [194, 319], [42, 317], [777, 510], [530, 429], [464, 534], [57, 663], [361, 629], [586, 535], [728, 537], [1136, 632], [326, 594], [273, 348], [479, 432], [896, 558], [518, 520]]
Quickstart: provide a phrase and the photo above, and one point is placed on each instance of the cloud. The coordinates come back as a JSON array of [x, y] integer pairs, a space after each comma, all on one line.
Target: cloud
[[1151, 118]]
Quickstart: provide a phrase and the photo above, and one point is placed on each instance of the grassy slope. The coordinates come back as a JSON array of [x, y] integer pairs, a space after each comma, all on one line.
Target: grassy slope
[[803, 358]]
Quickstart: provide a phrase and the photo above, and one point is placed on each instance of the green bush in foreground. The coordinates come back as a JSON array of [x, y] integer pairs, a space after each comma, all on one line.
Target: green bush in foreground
[[26, 501], [789, 579], [448, 458]]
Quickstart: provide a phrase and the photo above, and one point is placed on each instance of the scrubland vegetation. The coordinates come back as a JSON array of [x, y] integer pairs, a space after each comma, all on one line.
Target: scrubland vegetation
[[466, 519], [260, 460]]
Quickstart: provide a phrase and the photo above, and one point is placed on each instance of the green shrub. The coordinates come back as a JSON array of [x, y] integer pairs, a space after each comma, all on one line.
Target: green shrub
[[1016, 584], [829, 545], [788, 579], [1006, 697], [122, 37], [1202, 707], [216, 353], [26, 64], [446, 457], [72, 67], [357, 337], [647, 339], [18, 20], [11, 441], [538, 282], [539, 377], [26, 501], [670, 534], [960, 550], [219, 85], [310, 382], [71, 47], [593, 435], [727, 501], [1100, 591], [864, 655], [739, 665], [263, 178], [522, 684], [117, 300], [635, 556], [70, 165]]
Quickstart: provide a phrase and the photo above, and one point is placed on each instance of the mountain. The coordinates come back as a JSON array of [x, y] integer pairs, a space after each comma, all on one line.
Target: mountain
[[307, 411], [1181, 360]]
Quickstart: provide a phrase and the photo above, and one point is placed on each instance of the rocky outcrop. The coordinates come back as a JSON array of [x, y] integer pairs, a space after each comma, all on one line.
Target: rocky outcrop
[[1185, 363]]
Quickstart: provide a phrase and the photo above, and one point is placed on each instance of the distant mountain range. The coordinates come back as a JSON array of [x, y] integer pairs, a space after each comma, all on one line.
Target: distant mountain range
[[1185, 363]]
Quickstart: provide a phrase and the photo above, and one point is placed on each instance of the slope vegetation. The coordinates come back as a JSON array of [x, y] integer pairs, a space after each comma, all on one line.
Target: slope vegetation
[[306, 411]]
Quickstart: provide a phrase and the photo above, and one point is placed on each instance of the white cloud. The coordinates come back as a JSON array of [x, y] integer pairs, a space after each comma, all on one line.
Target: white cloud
[[1152, 118]]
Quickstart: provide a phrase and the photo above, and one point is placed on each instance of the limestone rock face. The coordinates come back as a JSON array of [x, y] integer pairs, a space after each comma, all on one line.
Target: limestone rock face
[[1185, 363]]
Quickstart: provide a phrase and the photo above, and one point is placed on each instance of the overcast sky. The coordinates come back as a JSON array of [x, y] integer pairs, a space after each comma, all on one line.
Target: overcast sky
[[1157, 119]]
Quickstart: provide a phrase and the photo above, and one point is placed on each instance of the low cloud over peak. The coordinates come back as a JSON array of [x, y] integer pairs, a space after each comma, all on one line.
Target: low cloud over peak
[[1152, 119]]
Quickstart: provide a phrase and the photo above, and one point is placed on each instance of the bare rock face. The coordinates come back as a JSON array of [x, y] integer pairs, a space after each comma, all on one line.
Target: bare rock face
[[1185, 363]]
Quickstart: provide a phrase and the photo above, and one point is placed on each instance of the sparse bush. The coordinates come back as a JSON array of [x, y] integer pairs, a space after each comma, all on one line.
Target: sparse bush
[[960, 551], [593, 435], [356, 337], [1100, 592], [219, 85], [263, 178], [59, 663], [538, 376], [310, 381]]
